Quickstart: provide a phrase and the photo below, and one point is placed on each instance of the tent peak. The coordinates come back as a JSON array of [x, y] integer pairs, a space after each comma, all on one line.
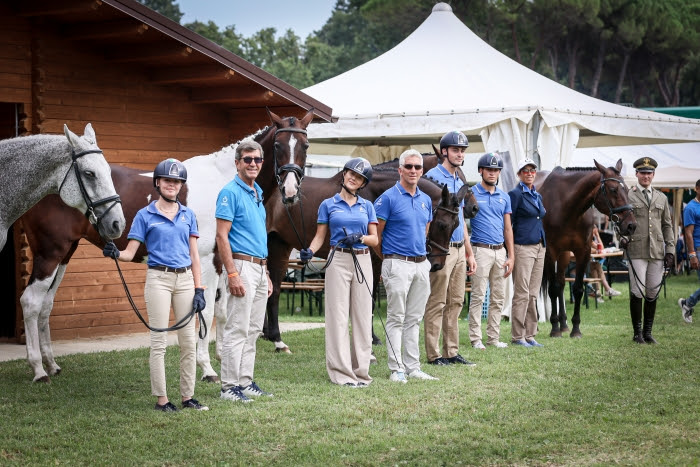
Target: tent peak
[[442, 6]]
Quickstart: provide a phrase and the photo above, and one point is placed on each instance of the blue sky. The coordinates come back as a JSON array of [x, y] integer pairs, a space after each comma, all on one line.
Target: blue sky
[[250, 16]]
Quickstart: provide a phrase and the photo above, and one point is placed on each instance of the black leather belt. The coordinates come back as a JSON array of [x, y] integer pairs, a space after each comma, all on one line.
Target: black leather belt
[[169, 269], [412, 259], [359, 251], [457, 244], [486, 245], [252, 259]]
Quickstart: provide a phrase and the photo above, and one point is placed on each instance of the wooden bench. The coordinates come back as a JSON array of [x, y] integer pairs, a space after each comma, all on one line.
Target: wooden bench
[[314, 288]]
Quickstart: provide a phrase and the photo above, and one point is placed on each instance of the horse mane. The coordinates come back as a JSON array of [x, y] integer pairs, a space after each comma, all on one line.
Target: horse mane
[[589, 169]]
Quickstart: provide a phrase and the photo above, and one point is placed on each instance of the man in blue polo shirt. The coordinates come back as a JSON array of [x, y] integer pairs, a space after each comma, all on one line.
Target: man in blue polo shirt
[[404, 213], [691, 222], [241, 238], [491, 232], [447, 285]]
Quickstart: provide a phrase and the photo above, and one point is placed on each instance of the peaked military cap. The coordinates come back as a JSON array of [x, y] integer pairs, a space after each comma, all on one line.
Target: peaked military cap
[[645, 164]]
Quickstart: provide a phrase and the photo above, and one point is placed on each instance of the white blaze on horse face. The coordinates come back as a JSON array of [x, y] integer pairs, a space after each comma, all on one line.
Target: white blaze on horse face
[[290, 180]]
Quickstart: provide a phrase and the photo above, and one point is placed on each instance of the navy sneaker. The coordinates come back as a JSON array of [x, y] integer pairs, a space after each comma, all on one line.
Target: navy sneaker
[[167, 407], [234, 394], [440, 361], [194, 404], [534, 343], [459, 359], [252, 390]]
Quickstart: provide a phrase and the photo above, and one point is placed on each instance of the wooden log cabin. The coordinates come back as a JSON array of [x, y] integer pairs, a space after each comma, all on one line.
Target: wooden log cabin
[[151, 89]]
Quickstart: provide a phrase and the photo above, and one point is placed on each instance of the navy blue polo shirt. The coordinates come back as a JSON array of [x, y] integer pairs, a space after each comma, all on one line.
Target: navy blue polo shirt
[[167, 241], [342, 218], [487, 225], [237, 203], [454, 183], [406, 219]]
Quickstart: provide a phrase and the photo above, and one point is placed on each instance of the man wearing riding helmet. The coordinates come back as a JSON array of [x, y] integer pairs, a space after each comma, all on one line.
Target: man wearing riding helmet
[[492, 242], [352, 223], [447, 284]]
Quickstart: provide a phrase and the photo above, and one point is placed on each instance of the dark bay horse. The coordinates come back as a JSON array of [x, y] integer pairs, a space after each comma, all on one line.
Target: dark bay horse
[[567, 195], [296, 228], [53, 229]]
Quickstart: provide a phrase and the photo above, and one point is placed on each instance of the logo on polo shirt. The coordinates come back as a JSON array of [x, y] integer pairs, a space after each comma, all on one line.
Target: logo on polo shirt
[[224, 201], [423, 206], [362, 209], [379, 201]]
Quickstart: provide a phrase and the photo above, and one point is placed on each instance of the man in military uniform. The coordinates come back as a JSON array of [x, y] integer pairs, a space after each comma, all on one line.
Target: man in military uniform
[[650, 249]]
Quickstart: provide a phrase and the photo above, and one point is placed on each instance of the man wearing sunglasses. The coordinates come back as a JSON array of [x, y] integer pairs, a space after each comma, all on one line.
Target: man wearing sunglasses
[[241, 238], [447, 285], [404, 213]]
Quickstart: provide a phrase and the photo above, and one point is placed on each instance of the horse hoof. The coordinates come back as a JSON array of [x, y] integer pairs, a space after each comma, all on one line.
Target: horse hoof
[[576, 335], [211, 379], [376, 341], [56, 372], [283, 350], [565, 329], [555, 334], [43, 379]]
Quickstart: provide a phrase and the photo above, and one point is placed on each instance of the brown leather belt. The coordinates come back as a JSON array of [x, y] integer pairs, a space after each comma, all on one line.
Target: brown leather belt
[[486, 245], [359, 251], [252, 259], [412, 259], [169, 269], [457, 244]]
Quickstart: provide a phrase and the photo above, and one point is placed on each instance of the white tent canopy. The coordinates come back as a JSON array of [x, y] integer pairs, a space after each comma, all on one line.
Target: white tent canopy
[[444, 77]]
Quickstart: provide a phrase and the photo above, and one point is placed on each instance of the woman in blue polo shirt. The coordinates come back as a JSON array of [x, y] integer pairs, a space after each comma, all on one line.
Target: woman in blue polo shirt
[[169, 231], [353, 226]]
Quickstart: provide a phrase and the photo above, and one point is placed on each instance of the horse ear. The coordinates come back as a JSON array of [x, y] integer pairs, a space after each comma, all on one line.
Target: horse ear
[[89, 134], [437, 153], [445, 195], [274, 118], [618, 166], [462, 193], [73, 139], [601, 168], [307, 118]]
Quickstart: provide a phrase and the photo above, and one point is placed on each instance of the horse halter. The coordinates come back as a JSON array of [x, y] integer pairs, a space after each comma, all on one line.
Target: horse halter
[[432, 243], [281, 172], [90, 212], [627, 208]]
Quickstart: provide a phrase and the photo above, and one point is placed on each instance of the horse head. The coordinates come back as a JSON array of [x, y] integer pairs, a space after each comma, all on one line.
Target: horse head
[[445, 221], [289, 153], [91, 189], [611, 198]]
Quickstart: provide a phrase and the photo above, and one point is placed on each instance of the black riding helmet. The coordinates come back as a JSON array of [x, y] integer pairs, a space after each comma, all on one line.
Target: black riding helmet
[[491, 160], [169, 168], [454, 138], [360, 166]]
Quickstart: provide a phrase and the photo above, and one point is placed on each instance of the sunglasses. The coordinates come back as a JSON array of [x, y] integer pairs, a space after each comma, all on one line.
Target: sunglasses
[[529, 171], [248, 159], [412, 166]]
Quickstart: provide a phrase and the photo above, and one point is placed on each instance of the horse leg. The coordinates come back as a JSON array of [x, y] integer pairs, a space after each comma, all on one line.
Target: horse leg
[[278, 259], [554, 294], [32, 300], [220, 306], [210, 280], [47, 356], [576, 318]]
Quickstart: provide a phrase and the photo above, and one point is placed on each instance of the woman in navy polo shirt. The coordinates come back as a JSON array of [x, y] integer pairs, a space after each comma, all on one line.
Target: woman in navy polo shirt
[[353, 226], [528, 235], [169, 231]]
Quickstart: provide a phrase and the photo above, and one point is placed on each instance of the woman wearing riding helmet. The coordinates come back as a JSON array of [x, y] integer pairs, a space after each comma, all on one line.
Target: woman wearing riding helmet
[[169, 231], [353, 228]]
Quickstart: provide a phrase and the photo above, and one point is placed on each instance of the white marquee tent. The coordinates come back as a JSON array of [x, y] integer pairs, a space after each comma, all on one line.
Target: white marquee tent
[[444, 77]]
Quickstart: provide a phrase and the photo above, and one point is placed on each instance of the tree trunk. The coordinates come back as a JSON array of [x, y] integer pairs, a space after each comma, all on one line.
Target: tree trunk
[[554, 62], [600, 59], [572, 52], [621, 77], [516, 47]]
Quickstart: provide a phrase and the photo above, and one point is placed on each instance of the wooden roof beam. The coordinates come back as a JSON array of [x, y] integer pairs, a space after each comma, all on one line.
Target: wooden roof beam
[[147, 53], [112, 29], [199, 74], [231, 95], [54, 8]]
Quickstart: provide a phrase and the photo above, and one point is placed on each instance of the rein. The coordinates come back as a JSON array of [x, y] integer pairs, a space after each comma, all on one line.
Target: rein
[[91, 206], [175, 327]]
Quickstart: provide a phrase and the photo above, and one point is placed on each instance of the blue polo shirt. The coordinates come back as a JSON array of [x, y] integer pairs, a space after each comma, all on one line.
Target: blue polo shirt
[[167, 241], [487, 225], [691, 216], [406, 218], [237, 203], [342, 218], [454, 183]]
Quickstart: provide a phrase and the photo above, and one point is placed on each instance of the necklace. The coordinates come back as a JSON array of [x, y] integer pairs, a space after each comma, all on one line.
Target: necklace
[[165, 211]]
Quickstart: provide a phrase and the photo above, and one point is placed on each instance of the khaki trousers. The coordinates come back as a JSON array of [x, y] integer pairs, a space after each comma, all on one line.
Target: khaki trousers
[[445, 305], [649, 273], [244, 322], [489, 271], [407, 289], [347, 361], [163, 290], [527, 279]]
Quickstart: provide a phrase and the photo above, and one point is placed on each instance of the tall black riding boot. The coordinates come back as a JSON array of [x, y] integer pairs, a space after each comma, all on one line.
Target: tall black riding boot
[[636, 314], [649, 312]]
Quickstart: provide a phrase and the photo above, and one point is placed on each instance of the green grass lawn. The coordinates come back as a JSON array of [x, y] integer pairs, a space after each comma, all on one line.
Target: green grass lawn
[[601, 399]]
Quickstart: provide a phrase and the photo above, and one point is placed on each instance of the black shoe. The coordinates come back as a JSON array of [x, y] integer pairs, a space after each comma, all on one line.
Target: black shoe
[[194, 404], [439, 361], [459, 359], [167, 407]]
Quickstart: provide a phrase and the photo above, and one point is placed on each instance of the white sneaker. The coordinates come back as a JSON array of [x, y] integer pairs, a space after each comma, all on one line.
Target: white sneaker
[[418, 374], [500, 345], [398, 377], [686, 311], [600, 300], [613, 293], [479, 345]]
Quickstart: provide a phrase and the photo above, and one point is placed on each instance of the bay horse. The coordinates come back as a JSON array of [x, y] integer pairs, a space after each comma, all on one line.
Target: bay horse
[[53, 230], [69, 165], [567, 195], [295, 228]]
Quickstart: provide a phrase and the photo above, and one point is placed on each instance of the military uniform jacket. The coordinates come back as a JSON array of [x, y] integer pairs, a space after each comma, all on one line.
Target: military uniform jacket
[[654, 235]]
